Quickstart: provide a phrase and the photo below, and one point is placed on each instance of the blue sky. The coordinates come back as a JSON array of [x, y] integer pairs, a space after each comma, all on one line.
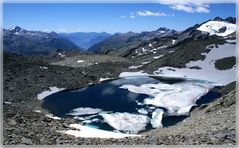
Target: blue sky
[[111, 17]]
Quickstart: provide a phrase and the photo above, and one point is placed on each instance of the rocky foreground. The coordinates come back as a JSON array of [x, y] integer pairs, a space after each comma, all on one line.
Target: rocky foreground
[[25, 77]]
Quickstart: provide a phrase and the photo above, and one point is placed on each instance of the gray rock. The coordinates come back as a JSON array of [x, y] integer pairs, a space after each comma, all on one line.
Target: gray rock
[[26, 141]]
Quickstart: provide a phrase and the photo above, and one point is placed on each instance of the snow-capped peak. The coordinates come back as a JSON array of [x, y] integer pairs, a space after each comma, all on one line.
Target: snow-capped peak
[[218, 27], [16, 29]]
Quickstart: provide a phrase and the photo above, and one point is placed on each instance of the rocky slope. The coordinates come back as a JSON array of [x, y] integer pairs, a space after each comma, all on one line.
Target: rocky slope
[[120, 43], [24, 121]]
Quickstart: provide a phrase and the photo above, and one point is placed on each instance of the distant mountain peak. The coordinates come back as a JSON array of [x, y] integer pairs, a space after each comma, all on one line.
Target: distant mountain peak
[[217, 19], [162, 29], [16, 29], [231, 20]]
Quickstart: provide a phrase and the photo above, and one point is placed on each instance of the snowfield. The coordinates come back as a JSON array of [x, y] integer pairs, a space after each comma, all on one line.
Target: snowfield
[[208, 71], [214, 27]]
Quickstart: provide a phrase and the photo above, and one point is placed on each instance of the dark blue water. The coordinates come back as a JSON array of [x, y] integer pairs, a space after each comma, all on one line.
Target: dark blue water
[[109, 97]]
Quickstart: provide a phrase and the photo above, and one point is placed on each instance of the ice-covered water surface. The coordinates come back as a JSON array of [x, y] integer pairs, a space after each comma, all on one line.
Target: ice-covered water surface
[[129, 104], [176, 98]]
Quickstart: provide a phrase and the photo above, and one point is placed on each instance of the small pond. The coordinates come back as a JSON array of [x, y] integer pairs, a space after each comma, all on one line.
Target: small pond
[[131, 104]]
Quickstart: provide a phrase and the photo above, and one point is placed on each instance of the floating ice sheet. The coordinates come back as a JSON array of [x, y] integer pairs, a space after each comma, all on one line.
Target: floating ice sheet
[[156, 120], [126, 121], [177, 98], [143, 111], [84, 111]]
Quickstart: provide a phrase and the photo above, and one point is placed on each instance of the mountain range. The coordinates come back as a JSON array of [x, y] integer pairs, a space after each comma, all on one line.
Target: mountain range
[[138, 44], [21, 41], [85, 40]]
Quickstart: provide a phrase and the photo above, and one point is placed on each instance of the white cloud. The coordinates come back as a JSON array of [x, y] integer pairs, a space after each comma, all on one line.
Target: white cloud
[[187, 6], [202, 10], [182, 7], [148, 13], [123, 16]]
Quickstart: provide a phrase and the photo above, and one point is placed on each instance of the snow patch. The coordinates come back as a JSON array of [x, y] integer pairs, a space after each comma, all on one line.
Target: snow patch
[[52, 90], [173, 42], [53, 117], [144, 63], [135, 67], [9, 103], [43, 67], [37, 111], [126, 122], [89, 132], [80, 61], [231, 41], [157, 57], [171, 51], [130, 74], [104, 79], [61, 55], [84, 111]]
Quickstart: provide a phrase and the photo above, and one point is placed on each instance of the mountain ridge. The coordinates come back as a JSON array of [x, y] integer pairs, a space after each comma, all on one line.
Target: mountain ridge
[[21, 41]]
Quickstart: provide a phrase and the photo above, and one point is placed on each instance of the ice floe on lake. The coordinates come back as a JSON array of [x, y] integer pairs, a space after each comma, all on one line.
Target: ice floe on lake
[[143, 111], [177, 98], [46, 93], [84, 111], [126, 121], [156, 120]]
